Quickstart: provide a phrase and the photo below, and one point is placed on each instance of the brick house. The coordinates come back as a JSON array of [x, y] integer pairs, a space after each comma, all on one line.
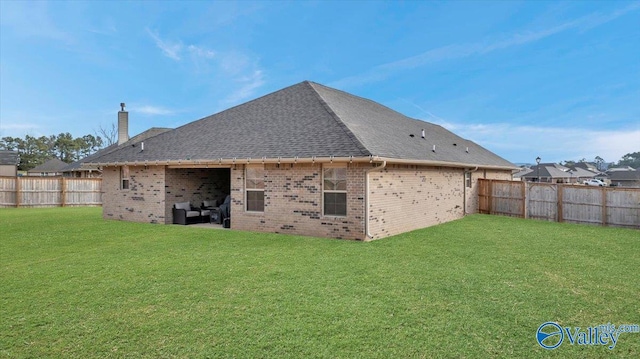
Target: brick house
[[307, 160]]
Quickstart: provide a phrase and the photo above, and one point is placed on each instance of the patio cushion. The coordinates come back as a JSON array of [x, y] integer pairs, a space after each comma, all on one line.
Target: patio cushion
[[183, 205], [209, 204], [193, 213]]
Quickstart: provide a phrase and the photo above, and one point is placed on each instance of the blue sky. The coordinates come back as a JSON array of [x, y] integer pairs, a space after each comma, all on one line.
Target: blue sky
[[559, 80]]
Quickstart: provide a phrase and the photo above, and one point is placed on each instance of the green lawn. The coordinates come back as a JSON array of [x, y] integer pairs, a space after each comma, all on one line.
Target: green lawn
[[75, 285]]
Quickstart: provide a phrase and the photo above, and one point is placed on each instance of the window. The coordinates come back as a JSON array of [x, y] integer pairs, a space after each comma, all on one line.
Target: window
[[124, 177], [335, 191], [254, 184], [467, 179]]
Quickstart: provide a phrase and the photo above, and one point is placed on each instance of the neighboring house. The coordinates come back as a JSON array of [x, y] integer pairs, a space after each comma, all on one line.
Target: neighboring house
[[555, 173], [83, 169], [627, 177], [9, 163], [306, 160], [519, 175], [52, 167], [589, 166]]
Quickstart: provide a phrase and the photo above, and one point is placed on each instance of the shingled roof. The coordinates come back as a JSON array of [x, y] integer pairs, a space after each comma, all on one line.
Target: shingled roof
[[8, 157], [303, 121], [80, 164], [53, 165]]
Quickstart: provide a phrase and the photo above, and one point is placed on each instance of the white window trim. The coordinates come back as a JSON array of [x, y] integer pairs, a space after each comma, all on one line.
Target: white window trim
[[123, 178], [246, 189], [334, 165]]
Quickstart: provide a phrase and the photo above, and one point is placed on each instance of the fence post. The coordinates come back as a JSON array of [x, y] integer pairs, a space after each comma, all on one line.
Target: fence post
[[560, 192], [523, 194], [18, 191], [63, 194], [490, 204], [604, 206]]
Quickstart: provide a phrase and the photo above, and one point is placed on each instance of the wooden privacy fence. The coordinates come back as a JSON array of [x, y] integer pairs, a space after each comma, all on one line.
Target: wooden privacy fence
[[50, 191], [607, 206]]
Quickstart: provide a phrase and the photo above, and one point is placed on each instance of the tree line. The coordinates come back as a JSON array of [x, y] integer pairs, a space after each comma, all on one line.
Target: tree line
[[34, 151], [629, 160]]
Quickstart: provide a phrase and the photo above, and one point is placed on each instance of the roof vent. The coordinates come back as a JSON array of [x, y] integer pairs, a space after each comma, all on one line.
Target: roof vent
[[411, 135], [467, 150], [423, 133], [434, 148]]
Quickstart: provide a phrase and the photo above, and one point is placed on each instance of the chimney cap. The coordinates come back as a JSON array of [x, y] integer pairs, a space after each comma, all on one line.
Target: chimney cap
[[122, 106]]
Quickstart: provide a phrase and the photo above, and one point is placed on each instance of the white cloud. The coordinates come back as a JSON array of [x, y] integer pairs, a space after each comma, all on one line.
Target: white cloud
[[519, 143], [248, 85], [152, 110], [19, 129], [170, 49], [32, 19], [175, 49], [201, 52], [236, 67], [456, 51]]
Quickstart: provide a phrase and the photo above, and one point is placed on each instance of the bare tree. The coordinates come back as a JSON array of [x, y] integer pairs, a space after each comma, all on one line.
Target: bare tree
[[109, 135]]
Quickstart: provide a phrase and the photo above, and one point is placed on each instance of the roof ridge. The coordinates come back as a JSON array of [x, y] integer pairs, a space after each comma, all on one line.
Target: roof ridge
[[341, 124]]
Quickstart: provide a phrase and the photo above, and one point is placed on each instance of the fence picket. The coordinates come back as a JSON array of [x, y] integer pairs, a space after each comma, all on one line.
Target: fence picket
[[611, 206], [50, 191]]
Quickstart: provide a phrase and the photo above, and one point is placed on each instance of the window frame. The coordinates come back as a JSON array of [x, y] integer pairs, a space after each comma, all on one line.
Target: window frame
[[247, 189], [125, 182], [326, 191], [468, 179]]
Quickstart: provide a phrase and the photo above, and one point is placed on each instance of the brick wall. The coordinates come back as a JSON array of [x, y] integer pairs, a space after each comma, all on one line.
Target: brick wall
[[472, 193], [404, 198], [142, 202], [293, 202], [194, 185]]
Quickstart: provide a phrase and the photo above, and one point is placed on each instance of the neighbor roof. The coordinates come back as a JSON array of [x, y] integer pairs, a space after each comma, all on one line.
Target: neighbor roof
[[554, 170], [624, 175], [52, 165], [80, 164], [8, 157], [307, 120]]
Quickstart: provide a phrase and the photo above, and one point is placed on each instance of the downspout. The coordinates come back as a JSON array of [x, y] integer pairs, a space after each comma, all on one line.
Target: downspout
[[464, 189], [366, 184]]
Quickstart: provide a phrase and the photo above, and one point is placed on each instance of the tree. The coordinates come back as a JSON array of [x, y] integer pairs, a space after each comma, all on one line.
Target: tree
[[599, 161], [630, 159], [87, 145], [108, 135], [65, 147], [36, 151]]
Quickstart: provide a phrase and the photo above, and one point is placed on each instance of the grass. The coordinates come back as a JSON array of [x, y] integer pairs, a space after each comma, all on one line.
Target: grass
[[74, 285]]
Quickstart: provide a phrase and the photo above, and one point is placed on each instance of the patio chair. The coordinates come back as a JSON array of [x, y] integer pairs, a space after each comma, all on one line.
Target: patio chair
[[184, 213], [206, 208]]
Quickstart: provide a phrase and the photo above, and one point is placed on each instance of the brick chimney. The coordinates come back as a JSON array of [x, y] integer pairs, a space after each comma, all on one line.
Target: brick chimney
[[123, 125]]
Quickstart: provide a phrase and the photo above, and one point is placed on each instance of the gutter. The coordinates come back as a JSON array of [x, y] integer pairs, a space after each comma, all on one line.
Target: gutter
[[226, 162], [367, 196]]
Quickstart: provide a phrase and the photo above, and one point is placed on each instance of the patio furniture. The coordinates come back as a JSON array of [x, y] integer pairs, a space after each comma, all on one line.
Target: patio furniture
[[205, 209], [217, 215], [184, 213]]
